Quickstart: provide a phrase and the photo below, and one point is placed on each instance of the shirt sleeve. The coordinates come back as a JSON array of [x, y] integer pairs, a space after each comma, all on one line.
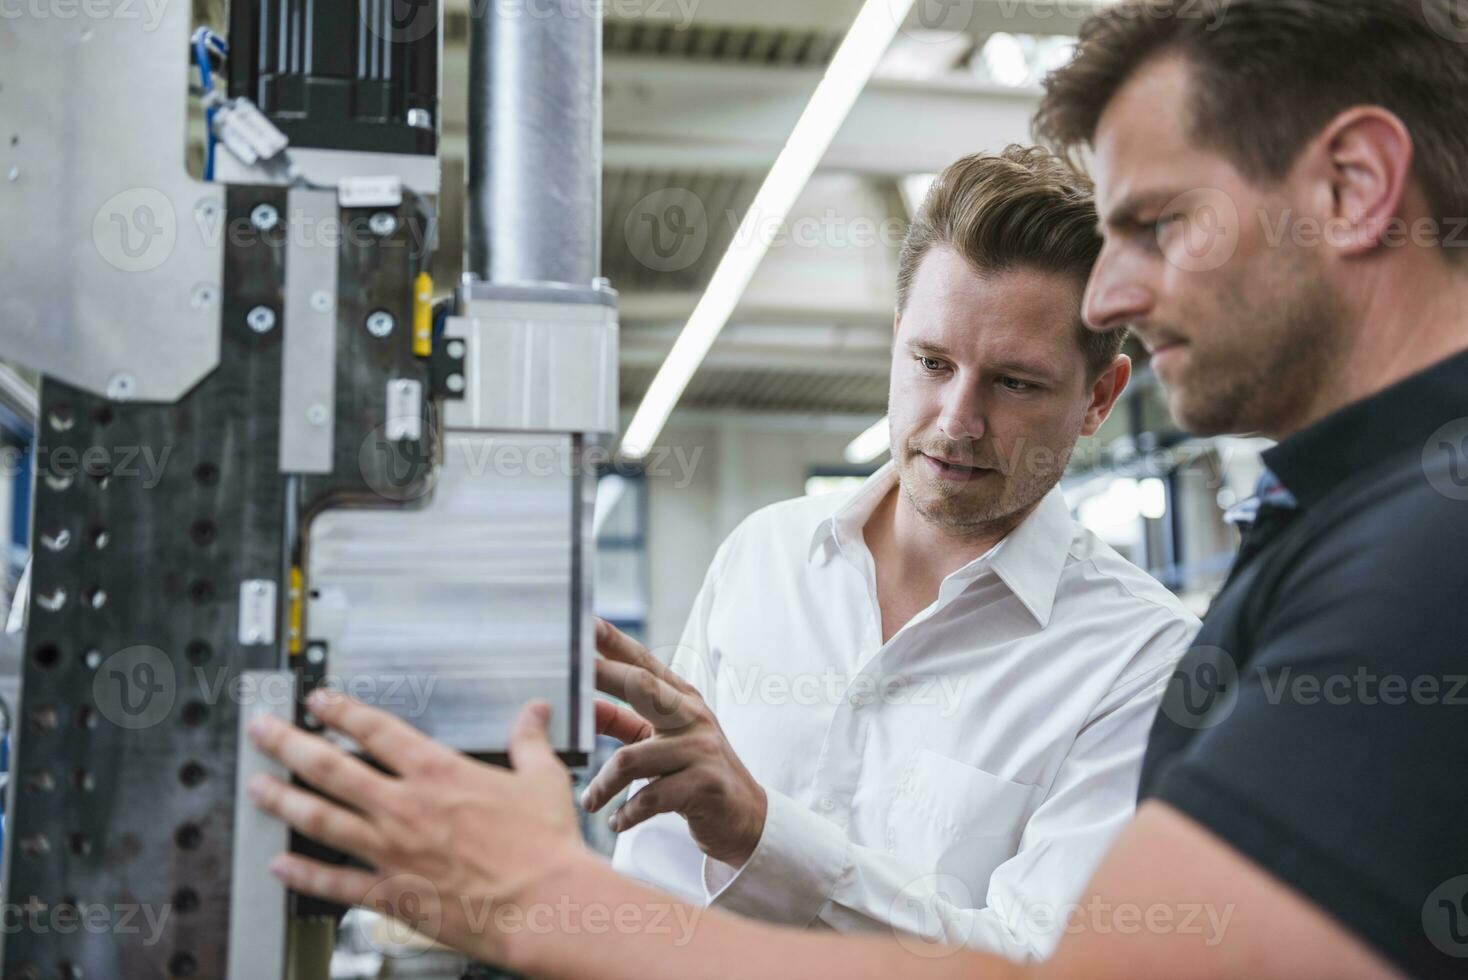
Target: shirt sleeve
[[805, 870], [1339, 766], [660, 851]]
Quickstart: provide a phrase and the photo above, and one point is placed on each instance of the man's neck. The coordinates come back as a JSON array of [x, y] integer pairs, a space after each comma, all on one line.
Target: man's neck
[[913, 556], [1407, 326]]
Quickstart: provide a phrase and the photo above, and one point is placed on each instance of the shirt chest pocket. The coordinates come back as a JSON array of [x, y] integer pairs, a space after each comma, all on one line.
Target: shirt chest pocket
[[948, 817]]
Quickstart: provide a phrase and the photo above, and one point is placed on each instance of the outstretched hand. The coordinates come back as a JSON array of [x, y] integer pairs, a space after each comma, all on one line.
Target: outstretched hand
[[672, 738], [450, 839]]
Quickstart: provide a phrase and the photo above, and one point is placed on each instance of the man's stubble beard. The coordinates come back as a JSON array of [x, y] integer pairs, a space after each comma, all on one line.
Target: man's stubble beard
[[991, 513], [1263, 382]]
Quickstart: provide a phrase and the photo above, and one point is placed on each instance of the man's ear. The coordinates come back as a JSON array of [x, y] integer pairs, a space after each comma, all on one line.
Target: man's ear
[[1105, 393], [1363, 159]]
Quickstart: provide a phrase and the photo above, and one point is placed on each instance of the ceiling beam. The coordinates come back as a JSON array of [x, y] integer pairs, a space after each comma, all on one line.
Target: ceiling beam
[[684, 115], [977, 17], [864, 349]]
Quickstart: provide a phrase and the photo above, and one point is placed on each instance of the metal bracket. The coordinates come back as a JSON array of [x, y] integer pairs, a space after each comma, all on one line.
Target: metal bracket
[[308, 382], [257, 613], [115, 284], [447, 368], [404, 409], [257, 915], [547, 366]]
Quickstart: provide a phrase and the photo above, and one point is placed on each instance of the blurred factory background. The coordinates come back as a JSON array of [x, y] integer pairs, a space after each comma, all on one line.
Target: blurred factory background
[[700, 96]]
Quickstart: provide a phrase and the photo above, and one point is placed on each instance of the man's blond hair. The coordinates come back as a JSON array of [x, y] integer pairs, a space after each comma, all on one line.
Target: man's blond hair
[[1024, 208]]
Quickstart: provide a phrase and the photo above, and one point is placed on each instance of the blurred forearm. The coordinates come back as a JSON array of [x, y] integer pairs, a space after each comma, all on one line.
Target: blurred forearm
[[609, 928]]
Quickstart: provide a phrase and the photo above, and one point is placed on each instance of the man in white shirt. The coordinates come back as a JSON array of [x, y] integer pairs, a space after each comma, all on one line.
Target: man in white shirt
[[923, 705]]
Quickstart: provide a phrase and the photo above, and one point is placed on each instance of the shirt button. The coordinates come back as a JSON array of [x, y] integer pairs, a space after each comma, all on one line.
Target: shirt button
[[827, 804]]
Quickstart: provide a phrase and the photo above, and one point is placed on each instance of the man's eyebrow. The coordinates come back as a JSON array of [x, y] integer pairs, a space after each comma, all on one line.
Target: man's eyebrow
[[1029, 369], [1126, 212], [929, 347]]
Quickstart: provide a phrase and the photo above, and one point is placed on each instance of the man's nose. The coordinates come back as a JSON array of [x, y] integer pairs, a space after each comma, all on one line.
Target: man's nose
[[962, 418], [1116, 295]]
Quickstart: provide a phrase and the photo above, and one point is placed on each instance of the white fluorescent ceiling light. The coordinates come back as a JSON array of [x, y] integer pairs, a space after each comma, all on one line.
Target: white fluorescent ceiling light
[[871, 444], [852, 67]]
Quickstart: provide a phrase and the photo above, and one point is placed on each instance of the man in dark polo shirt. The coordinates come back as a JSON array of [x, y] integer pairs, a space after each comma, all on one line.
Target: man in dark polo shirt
[[1284, 200], [1283, 187]]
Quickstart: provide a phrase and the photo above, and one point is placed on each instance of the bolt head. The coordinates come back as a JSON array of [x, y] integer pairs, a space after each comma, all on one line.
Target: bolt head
[[380, 324], [455, 383], [203, 297], [383, 224], [121, 387], [261, 319], [264, 217], [456, 349], [317, 415], [321, 301]]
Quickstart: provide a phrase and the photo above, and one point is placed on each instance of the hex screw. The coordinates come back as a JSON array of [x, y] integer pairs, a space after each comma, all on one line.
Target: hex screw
[[383, 224], [261, 319], [264, 217], [380, 324]]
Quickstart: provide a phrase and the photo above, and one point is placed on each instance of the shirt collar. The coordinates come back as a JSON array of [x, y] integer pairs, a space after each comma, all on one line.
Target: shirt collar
[[1400, 419], [1271, 492], [1029, 561], [853, 513]]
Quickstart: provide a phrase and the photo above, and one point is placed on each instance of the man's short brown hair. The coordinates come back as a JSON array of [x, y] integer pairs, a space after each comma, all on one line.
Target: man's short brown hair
[[1268, 75], [1025, 208]]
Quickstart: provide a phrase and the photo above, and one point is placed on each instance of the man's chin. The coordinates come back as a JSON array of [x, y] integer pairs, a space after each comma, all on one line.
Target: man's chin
[[1203, 416], [955, 506]]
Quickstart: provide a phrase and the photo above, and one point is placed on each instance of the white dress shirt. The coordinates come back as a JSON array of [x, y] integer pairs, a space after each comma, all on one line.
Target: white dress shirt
[[960, 782]]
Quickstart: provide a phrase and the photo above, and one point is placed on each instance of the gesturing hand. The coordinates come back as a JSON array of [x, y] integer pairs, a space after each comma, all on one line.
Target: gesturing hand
[[449, 838], [673, 739]]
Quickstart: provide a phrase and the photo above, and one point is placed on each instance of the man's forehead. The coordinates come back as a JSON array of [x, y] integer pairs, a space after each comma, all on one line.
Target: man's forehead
[[1142, 137], [949, 293], [1011, 316]]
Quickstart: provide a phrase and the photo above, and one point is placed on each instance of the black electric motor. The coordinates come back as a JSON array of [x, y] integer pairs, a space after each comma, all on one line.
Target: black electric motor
[[359, 75]]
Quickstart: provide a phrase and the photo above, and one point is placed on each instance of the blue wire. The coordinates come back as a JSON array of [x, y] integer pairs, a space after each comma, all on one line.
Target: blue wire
[[206, 80], [440, 322]]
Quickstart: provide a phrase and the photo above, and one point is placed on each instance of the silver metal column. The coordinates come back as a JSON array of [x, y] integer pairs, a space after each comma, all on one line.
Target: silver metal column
[[482, 596], [535, 137]]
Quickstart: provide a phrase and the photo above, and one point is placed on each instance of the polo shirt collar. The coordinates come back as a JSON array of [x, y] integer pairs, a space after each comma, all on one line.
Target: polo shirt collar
[[1399, 420], [1029, 561]]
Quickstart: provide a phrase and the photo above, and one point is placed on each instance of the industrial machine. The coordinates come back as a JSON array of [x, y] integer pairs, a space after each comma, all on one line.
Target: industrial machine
[[266, 458]]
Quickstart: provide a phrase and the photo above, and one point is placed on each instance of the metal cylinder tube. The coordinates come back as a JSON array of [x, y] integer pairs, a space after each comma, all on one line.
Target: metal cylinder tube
[[535, 138]]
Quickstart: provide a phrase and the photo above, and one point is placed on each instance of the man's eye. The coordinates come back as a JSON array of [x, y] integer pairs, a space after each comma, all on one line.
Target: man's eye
[[1014, 384], [930, 363]]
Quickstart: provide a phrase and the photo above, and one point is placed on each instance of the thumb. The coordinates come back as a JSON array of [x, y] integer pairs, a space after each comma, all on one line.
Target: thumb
[[530, 748]]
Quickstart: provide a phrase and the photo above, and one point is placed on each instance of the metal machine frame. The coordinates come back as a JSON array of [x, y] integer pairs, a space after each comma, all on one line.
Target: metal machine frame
[[276, 383]]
